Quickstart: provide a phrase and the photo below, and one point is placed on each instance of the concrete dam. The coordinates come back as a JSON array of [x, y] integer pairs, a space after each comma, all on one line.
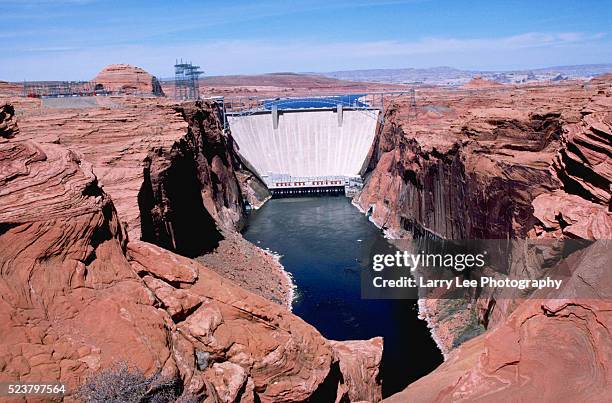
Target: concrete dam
[[309, 150]]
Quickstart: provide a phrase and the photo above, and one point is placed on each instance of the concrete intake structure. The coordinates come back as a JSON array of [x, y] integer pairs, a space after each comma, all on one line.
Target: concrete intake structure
[[308, 147]]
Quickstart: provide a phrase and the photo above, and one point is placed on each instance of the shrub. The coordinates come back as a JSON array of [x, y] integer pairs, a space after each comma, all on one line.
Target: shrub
[[119, 384]]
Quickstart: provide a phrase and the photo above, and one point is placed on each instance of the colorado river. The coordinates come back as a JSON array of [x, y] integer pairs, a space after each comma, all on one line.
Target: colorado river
[[325, 243]]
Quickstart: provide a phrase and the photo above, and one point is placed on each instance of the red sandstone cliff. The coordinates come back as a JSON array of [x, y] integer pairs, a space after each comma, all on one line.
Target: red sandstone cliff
[[77, 296], [191, 183]]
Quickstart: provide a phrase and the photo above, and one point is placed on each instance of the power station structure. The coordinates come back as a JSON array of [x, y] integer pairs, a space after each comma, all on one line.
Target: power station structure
[[186, 80]]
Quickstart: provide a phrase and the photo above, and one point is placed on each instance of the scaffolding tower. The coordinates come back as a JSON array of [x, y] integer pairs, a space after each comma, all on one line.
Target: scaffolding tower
[[186, 78]]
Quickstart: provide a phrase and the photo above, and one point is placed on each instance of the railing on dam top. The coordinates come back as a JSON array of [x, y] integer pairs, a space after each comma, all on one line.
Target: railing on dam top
[[369, 103]]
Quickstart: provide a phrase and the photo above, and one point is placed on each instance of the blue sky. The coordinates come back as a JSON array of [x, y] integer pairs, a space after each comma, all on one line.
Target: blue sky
[[73, 39]]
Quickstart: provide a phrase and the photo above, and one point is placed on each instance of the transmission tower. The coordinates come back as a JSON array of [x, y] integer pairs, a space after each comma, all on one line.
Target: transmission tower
[[412, 112], [186, 79]]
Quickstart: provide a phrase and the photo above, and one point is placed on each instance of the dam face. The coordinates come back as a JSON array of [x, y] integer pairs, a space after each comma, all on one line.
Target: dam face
[[308, 150]]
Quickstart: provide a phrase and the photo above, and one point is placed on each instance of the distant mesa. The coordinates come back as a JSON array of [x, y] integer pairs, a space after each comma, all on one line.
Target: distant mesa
[[127, 79], [479, 82]]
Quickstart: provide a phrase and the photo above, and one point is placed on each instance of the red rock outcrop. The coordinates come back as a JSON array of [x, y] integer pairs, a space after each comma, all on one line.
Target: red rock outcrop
[[285, 358], [127, 79], [359, 364], [583, 162], [77, 297], [70, 301], [563, 215]]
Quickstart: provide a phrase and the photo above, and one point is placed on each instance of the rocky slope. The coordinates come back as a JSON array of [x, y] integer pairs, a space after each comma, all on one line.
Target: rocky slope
[[127, 79], [507, 163], [77, 296]]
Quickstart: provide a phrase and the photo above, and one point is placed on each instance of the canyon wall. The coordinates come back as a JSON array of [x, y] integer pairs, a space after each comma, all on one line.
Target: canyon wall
[[191, 184], [505, 163], [470, 167], [466, 184]]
